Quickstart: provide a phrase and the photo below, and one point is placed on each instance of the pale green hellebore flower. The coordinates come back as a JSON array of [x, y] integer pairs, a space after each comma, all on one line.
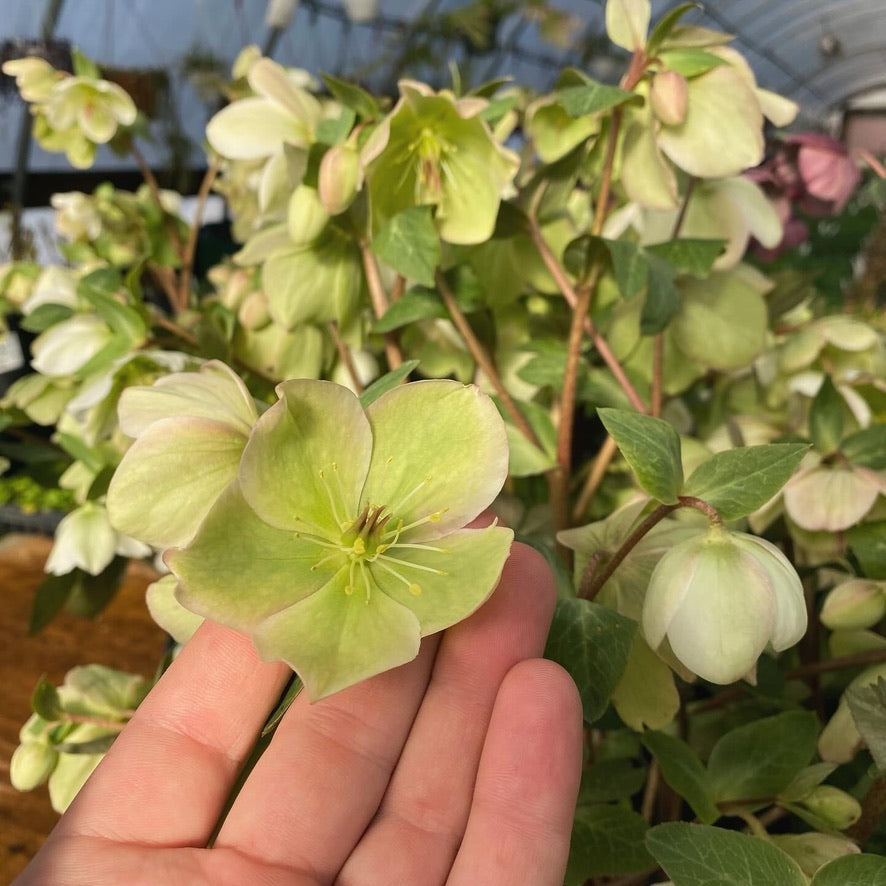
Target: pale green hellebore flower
[[342, 545], [86, 540], [93, 107], [190, 429], [720, 599], [434, 149], [66, 347], [832, 497], [257, 127]]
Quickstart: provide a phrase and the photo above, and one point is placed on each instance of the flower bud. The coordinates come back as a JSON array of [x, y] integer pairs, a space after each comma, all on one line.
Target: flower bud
[[339, 178], [812, 850], [720, 599], [669, 96], [32, 763], [306, 216], [254, 313], [854, 604], [839, 809]]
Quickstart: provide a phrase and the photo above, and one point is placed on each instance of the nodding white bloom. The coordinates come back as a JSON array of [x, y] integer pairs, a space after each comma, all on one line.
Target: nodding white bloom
[[720, 599], [86, 540], [341, 544]]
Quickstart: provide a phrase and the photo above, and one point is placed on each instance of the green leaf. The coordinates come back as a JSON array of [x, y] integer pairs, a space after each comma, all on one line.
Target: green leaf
[[629, 265], [868, 707], [593, 98], [651, 447], [334, 130], [84, 66], [666, 24], [738, 481], [418, 303], [857, 870], [868, 543], [662, 298], [50, 599], [354, 97], [546, 369], [690, 256], [410, 245], [609, 780], [387, 382], [45, 701], [826, 417], [592, 643], [583, 254], [92, 593], [689, 60], [525, 459], [44, 316], [684, 772], [702, 855], [100, 745], [866, 448], [761, 758], [606, 841]]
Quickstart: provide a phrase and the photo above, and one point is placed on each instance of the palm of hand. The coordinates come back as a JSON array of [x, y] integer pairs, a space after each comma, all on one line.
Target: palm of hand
[[459, 768]]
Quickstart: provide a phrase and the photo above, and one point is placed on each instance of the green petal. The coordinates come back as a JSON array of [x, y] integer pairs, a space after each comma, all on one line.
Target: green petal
[[216, 393], [269, 79], [307, 458], [467, 566], [238, 570], [723, 131], [333, 639], [313, 284], [96, 121], [170, 477], [439, 448], [476, 175]]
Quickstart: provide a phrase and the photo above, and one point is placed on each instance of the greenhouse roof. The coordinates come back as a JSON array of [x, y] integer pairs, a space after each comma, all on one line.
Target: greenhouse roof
[[824, 54]]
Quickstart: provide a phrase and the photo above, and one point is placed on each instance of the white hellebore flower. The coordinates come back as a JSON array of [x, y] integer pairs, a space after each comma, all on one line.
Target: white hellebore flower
[[86, 540], [68, 346], [720, 599]]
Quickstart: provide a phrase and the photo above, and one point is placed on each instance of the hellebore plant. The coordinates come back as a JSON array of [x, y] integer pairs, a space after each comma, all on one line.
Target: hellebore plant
[[451, 301]]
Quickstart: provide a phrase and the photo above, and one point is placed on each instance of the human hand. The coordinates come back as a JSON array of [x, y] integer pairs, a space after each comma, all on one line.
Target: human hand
[[460, 767]]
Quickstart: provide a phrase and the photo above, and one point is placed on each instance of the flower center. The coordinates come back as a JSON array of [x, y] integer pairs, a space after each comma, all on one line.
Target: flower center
[[372, 541]]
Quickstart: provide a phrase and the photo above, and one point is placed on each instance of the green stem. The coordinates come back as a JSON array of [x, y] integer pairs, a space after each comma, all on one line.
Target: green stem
[[591, 583], [190, 249], [379, 299]]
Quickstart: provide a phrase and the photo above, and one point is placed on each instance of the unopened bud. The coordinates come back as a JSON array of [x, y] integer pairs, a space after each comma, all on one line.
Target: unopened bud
[[339, 178], [670, 97], [854, 604], [32, 763], [812, 850], [836, 807], [254, 313], [306, 216]]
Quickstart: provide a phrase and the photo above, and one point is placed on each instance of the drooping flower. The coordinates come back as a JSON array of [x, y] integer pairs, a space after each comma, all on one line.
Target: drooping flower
[[86, 540], [720, 599], [341, 544]]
